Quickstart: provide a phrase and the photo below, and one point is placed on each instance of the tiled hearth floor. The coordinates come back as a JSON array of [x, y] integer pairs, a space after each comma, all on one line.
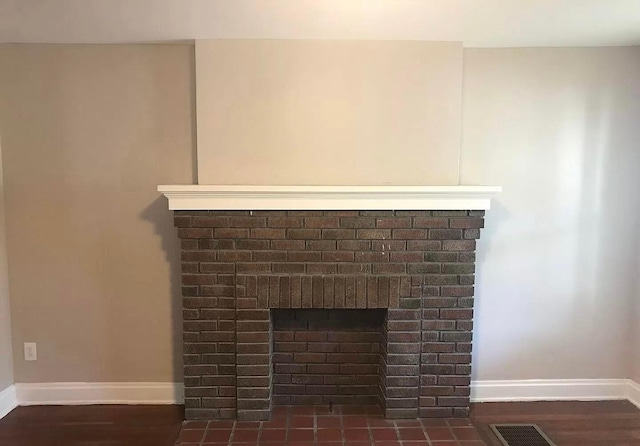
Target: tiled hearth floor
[[317, 426]]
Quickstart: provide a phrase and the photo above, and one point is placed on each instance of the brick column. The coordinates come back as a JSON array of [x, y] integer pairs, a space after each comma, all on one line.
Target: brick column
[[254, 344], [445, 370], [209, 319], [401, 363]]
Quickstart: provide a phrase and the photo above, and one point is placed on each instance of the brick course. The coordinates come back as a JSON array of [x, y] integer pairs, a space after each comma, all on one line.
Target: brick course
[[415, 268]]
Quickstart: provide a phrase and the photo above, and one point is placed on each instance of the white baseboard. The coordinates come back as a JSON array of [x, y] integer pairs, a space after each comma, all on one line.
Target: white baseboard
[[633, 392], [8, 401], [550, 390], [32, 394]]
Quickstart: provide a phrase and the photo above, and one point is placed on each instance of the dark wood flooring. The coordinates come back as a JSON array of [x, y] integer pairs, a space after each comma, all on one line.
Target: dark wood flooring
[[608, 423], [574, 423], [91, 426]]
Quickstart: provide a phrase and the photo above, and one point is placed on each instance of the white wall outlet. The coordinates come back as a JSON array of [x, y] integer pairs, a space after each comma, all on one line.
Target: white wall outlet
[[30, 351]]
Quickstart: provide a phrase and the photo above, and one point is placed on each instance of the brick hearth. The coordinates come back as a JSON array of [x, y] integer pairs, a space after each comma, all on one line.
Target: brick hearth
[[317, 426], [319, 307]]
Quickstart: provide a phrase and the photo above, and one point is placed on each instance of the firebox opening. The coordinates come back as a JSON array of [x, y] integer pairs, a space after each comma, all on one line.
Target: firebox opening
[[323, 357]]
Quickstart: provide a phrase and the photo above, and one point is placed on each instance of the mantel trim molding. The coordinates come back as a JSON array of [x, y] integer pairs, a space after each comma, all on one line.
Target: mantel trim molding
[[212, 197]]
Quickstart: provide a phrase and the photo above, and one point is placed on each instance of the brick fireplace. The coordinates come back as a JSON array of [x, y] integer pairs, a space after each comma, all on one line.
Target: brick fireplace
[[327, 307]]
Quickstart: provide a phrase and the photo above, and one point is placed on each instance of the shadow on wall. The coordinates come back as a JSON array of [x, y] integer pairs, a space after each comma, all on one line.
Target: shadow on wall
[[159, 215], [557, 261], [162, 219]]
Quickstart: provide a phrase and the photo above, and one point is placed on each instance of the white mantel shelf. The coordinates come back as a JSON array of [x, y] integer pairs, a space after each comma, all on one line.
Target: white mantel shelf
[[211, 197]]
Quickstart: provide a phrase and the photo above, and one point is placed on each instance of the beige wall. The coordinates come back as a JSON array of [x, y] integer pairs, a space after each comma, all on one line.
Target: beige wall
[[328, 112], [559, 130], [88, 132], [635, 370], [6, 354], [634, 342]]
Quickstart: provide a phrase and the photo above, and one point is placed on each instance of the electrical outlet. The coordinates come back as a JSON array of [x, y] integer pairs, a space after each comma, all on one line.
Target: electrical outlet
[[30, 351]]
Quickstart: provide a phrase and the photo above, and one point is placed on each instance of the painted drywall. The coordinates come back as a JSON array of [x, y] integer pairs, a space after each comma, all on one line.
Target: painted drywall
[[88, 132], [634, 341], [6, 353], [328, 112], [558, 129]]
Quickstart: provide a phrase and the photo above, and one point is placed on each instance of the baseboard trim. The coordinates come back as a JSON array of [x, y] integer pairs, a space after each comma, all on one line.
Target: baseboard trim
[[550, 390], [633, 392], [32, 394], [8, 401]]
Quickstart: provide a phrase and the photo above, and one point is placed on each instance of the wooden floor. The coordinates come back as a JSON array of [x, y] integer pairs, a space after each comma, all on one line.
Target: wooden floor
[[603, 423], [610, 423], [91, 426]]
